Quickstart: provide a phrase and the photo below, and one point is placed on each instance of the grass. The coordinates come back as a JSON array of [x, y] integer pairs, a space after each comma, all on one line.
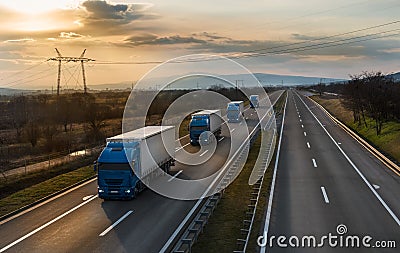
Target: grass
[[223, 227], [35, 192], [388, 141]]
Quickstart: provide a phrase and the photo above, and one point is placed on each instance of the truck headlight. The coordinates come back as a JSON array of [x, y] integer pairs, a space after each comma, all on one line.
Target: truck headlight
[[128, 191], [101, 191]]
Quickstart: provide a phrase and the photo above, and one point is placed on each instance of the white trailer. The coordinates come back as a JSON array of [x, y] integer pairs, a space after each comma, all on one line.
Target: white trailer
[[214, 116], [156, 147]]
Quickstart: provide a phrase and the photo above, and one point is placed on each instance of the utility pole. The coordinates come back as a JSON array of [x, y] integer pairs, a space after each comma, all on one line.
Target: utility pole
[[60, 59]]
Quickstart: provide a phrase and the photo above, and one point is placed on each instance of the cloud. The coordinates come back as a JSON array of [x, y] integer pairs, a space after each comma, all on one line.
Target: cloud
[[70, 35], [25, 40], [166, 40], [106, 18]]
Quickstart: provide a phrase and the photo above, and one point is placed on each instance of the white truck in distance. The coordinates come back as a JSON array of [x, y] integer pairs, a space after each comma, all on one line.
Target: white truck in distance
[[235, 111]]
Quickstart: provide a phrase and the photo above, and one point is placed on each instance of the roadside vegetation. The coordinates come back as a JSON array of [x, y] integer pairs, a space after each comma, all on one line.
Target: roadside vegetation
[[35, 192], [387, 141], [370, 105]]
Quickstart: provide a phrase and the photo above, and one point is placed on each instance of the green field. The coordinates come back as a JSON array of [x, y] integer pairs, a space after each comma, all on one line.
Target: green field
[[35, 192], [388, 141]]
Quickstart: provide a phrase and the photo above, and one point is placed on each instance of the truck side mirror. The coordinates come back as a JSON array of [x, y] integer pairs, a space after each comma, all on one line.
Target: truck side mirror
[[95, 166]]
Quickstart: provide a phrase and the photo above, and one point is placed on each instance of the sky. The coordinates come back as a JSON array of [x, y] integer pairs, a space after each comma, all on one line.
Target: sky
[[155, 31]]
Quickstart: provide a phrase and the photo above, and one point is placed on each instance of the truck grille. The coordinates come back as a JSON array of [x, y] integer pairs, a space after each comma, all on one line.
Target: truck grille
[[113, 181]]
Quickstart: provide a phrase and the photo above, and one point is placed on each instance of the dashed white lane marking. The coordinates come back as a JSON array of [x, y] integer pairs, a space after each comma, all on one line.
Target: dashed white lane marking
[[325, 195], [46, 224], [177, 174], [305, 134], [395, 218], [376, 186], [300, 120], [308, 145], [299, 116], [302, 126], [314, 163], [233, 130], [204, 153], [115, 223], [339, 143], [177, 149], [87, 197], [221, 139]]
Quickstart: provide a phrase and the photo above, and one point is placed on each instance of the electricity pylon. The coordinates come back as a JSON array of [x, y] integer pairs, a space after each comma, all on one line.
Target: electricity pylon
[[61, 59]]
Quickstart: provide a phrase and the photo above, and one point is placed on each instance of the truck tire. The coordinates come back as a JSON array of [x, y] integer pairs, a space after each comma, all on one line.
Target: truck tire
[[136, 192]]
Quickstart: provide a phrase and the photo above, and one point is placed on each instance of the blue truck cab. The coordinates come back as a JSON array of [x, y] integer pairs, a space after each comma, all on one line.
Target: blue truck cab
[[116, 178], [207, 120], [132, 157]]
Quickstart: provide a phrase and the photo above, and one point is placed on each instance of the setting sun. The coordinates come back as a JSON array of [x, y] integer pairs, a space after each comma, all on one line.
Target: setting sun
[[38, 7]]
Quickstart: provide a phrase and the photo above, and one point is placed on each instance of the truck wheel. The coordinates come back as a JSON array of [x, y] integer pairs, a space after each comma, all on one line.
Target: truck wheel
[[135, 192]]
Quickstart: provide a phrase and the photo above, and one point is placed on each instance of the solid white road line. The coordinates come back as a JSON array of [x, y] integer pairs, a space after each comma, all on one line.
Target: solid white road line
[[177, 174], [115, 223], [46, 224], [182, 137], [314, 163], [47, 201], [204, 153], [194, 208], [177, 149], [308, 145], [325, 195], [395, 218], [271, 193], [305, 134], [87, 197], [221, 139]]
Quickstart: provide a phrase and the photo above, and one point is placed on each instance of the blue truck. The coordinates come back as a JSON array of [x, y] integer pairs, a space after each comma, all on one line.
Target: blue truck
[[132, 157], [207, 120], [235, 111], [254, 101]]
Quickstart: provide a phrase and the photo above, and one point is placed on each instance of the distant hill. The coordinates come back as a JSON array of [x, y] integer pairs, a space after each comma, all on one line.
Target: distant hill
[[275, 80], [395, 76], [201, 82], [8, 92]]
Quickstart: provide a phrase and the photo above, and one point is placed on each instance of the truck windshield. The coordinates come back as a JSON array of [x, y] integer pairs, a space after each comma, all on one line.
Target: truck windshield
[[114, 166], [198, 128]]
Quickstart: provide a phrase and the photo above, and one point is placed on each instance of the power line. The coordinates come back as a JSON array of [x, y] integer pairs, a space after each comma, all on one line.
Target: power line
[[250, 53]]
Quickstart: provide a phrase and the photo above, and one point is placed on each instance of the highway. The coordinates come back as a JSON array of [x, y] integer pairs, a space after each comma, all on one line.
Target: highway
[[78, 221], [325, 178]]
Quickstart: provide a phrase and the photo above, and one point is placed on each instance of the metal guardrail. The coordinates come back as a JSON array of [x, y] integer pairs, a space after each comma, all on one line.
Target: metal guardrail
[[200, 218], [389, 163]]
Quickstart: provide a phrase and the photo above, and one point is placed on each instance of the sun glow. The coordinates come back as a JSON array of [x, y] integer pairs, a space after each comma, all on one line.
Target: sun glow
[[38, 6]]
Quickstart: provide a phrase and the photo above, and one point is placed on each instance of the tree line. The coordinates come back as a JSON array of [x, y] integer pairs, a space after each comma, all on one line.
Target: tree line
[[369, 94]]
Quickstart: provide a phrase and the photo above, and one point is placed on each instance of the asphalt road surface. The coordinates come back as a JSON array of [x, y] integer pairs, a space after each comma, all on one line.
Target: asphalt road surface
[[78, 221], [325, 178]]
